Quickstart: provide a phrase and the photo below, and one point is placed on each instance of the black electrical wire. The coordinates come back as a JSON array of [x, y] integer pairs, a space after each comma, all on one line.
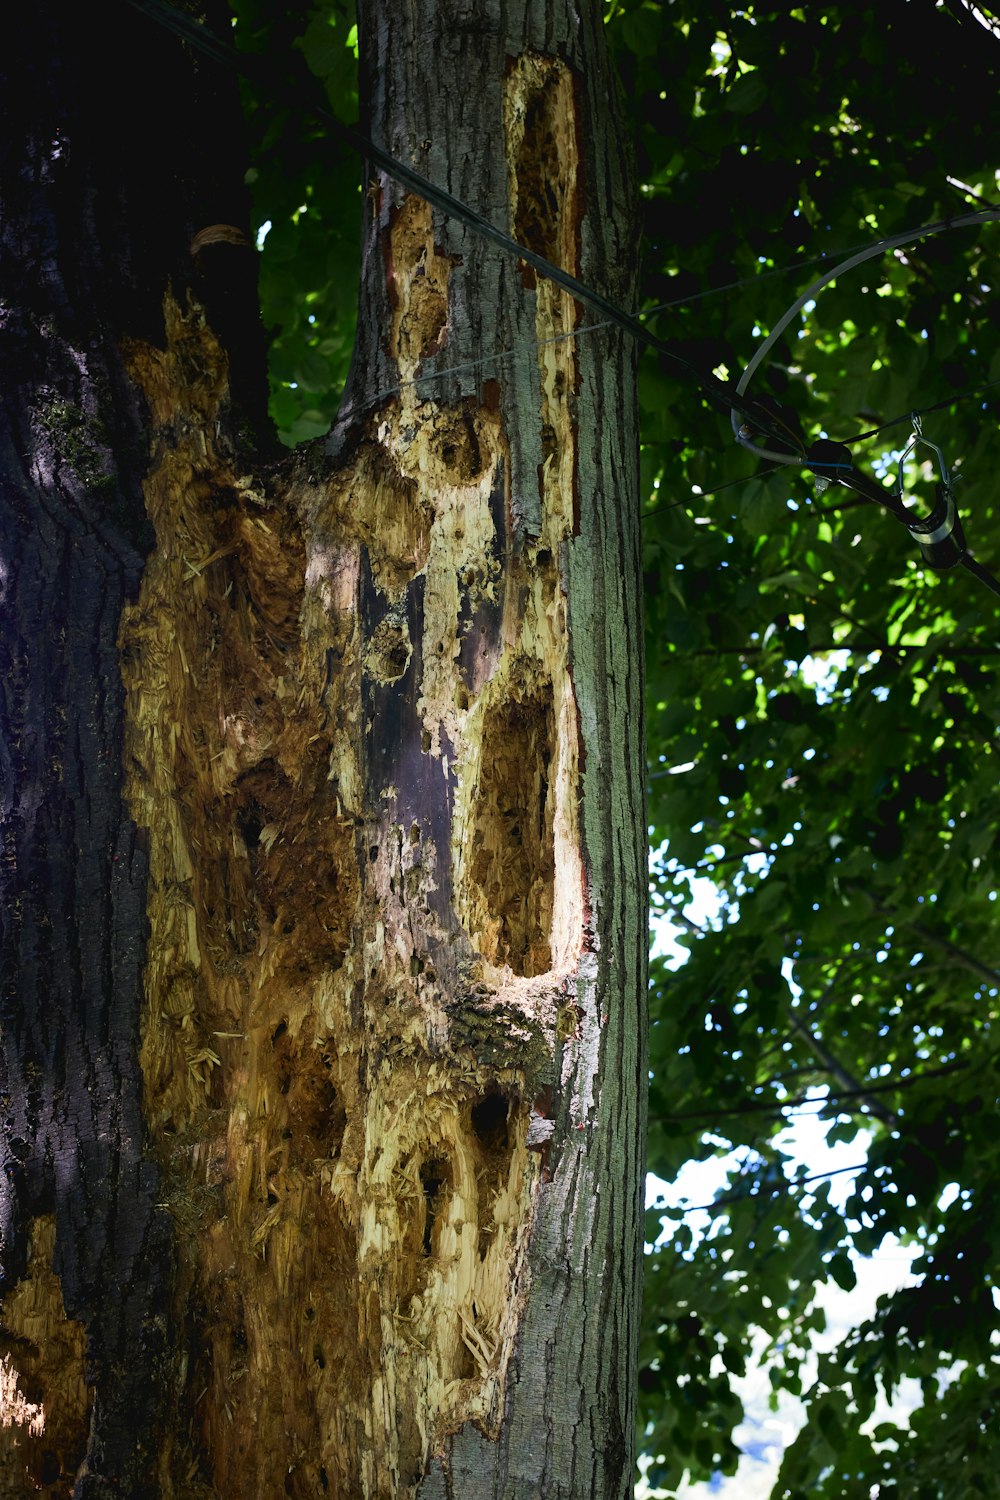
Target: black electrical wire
[[755, 417], [870, 489], [939, 535], [983, 574], [498, 355], [223, 52], [920, 411], [830, 1100]]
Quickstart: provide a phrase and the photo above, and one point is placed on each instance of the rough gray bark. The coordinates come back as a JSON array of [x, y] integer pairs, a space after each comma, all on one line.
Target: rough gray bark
[[569, 1410]]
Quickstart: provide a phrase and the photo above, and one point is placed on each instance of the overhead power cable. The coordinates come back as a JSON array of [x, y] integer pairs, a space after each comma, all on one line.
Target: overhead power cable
[[939, 535], [496, 356], [893, 242], [831, 1100], [223, 52], [922, 411]]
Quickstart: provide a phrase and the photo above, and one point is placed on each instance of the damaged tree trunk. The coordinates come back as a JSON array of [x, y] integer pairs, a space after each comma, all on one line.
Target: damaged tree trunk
[[324, 865]]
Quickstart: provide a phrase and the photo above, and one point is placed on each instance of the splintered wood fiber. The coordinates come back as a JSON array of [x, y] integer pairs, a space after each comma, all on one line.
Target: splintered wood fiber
[[44, 1397], [345, 1166], [353, 746], [253, 892], [511, 871]]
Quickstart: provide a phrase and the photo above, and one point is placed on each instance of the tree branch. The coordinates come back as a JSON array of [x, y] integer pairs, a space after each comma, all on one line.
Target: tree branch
[[764, 1194], [833, 1066], [968, 960], [773, 1107]]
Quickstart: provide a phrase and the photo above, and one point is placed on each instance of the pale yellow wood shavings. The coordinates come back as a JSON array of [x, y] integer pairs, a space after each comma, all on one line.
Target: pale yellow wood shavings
[[15, 1409], [196, 569], [482, 1349], [44, 1398], [258, 1238], [361, 1212], [200, 1065]]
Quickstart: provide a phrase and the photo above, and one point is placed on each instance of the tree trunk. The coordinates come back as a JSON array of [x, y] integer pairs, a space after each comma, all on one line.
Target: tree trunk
[[324, 866]]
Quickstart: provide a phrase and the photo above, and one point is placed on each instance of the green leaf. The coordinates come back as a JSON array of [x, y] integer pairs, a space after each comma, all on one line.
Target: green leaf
[[762, 506], [322, 44], [747, 94], [841, 1269]]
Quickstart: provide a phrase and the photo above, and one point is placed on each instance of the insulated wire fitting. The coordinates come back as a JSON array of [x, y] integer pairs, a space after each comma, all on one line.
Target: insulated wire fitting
[[895, 242], [939, 535]]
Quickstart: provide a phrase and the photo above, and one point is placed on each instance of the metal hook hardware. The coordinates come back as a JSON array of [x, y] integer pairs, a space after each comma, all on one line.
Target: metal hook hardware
[[939, 535]]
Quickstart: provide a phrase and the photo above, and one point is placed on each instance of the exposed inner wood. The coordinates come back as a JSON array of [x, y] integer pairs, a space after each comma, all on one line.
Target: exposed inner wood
[[353, 744], [510, 874], [44, 1397], [540, 124]]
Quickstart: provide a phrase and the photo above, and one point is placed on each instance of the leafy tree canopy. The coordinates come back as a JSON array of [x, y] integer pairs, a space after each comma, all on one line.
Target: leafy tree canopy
[[823, 710]]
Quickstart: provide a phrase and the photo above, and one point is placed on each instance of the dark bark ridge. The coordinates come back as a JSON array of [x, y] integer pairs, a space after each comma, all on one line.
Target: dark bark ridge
[[95, 220]]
